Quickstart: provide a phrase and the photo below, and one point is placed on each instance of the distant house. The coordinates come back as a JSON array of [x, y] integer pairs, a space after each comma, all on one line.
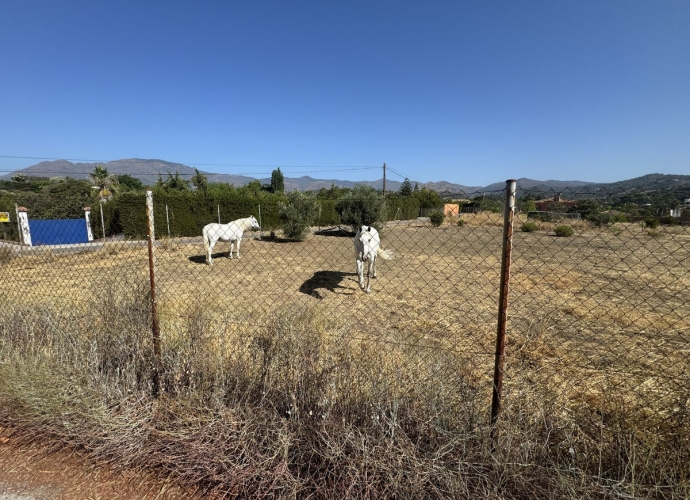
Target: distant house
[[451, 209], [555, 204]]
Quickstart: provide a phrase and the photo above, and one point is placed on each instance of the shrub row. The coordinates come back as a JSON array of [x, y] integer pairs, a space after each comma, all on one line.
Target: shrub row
[[186, 213]]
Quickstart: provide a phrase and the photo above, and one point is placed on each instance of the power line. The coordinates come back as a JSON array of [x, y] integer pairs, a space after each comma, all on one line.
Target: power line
[[403, 176]]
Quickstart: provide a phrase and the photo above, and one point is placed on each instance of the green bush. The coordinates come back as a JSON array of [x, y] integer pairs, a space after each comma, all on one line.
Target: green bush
[[437, 217], [461, 222], [327, 215], [564, 231], [298, 214], [529, 227], [606, 219], [364, 205], [651, 223]]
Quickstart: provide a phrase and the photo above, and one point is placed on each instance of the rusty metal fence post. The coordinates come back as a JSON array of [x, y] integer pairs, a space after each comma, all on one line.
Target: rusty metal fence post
[[509, 215], [155, 327]]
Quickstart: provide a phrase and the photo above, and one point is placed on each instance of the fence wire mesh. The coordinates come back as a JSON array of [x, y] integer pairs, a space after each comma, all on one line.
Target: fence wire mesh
[[599, 332], [597, 340]]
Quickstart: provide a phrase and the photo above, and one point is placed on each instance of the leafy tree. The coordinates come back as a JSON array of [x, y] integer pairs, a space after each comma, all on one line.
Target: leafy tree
[[252, 188], [19, 178], [364, 205], [333, 193], [129, 183], [527, 203], [416, 188], [298, 214], [277, 181], [59, 199], [221, 189], [199, 180], [588, 208], [428, 198], [526, 206], [405, 188], [491, 204], [172, 184]]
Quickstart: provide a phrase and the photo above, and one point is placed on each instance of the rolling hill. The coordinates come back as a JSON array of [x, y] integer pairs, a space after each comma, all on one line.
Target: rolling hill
[[149, 170]]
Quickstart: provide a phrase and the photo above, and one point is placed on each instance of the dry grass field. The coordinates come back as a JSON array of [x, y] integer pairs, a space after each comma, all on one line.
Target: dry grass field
[[600, 301], [598, 323]]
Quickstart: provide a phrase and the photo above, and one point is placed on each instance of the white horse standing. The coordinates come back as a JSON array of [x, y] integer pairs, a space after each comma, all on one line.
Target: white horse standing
[[232, 232], [367, 248]]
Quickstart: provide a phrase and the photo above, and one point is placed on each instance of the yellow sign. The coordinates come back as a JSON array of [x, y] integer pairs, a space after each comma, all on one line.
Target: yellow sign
[[4, 216]]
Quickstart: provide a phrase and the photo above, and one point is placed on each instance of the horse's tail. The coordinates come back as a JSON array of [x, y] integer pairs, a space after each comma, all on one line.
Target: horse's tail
[[384, 254]]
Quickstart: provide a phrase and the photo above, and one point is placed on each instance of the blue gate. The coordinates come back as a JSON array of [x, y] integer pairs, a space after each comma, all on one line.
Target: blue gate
[[58, 232]]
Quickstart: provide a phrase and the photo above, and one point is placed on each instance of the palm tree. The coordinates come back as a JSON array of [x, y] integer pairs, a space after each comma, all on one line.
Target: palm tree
[[106, 183]]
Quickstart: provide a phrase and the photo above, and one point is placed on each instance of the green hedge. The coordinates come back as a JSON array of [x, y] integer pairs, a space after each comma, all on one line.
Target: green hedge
[[8, 230], [402, 208], [189, 211], [328, 216]]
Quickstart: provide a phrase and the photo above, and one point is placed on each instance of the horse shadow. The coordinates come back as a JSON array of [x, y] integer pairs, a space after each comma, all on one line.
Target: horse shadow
[[337, 231], [328, 280], [201, 259]]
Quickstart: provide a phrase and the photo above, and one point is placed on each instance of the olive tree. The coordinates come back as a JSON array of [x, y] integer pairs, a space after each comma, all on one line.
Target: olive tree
[[298, 214], [364, 205]]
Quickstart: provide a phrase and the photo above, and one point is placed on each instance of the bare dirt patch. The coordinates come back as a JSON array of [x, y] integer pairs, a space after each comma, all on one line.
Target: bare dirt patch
[[32, 471]]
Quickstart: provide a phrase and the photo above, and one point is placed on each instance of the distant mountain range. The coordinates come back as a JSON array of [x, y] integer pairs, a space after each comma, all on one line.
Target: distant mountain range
[[148, 172]]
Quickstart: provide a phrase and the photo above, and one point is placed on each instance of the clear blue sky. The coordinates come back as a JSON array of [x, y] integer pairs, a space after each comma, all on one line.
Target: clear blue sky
[[469, 92]]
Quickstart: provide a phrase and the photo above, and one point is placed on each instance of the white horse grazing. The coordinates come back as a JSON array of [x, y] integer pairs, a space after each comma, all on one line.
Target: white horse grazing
[[232, 232], [367, 248]]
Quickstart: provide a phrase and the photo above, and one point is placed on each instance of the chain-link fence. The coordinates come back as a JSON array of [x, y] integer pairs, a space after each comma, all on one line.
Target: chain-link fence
[[596, 369]]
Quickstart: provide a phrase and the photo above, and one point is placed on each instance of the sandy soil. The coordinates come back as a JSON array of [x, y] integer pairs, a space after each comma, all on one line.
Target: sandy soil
[[33, 472]]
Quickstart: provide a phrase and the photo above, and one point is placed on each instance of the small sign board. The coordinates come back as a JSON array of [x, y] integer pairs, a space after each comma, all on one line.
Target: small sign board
[[4, 216]]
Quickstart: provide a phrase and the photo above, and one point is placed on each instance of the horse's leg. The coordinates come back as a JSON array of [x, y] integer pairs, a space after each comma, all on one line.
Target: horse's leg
[[232, 246], [373, 266], [369, 273], [238, 247], [209, 250], [360, 273]]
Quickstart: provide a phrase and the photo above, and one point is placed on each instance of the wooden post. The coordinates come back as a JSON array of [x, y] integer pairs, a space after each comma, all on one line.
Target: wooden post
[[102, 221], [167, 219], [155, 327], [502, 308], [384, 180]]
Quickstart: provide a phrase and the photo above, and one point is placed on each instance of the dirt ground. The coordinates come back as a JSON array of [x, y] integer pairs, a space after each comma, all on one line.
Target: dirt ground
[[33, 472], [448, 275], [443, 283]]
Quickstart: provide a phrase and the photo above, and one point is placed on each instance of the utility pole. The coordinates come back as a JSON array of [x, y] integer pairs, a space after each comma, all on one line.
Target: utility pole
[[384, 180]]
